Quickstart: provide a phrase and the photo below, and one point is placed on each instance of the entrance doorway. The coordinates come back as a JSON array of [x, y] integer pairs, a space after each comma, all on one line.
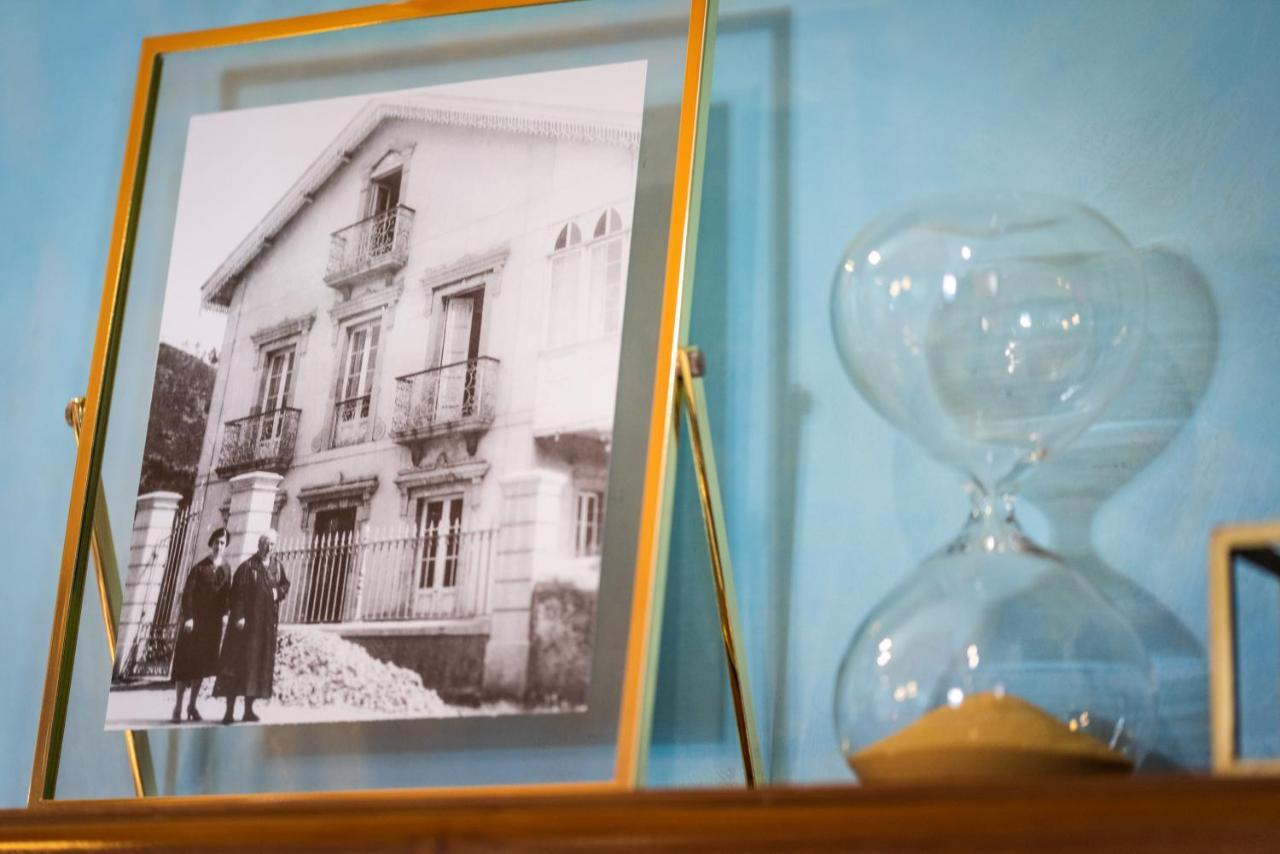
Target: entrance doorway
[[332, 553]]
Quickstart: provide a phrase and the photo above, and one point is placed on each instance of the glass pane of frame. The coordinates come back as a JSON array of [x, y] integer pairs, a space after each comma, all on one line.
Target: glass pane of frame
[[477, 750]]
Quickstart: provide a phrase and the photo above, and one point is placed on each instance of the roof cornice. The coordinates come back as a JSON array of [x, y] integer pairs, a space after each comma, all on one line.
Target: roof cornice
[[587, 126]]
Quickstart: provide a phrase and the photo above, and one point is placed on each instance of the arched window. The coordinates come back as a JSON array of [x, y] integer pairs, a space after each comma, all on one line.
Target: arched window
[[608, 223], [607, 279], [570, 235]]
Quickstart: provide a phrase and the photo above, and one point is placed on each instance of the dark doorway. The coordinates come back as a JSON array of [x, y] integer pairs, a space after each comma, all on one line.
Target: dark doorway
[[385, 193], [459, 348], [330, 563], [384, 201]]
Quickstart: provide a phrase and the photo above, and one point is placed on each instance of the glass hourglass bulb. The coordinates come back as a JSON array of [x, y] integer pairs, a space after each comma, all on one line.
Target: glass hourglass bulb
[[992, 329]]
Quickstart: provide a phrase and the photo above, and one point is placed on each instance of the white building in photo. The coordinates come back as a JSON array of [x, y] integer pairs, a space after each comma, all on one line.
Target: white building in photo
[[416, 385]]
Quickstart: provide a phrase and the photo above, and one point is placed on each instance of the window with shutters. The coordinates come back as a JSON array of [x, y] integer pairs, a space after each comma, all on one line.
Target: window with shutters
[[275, 391], [566, 274], [606, 284]]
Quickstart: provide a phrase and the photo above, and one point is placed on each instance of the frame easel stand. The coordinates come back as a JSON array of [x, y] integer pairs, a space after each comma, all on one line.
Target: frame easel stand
[[109, 596], [690, 366], [689, 398]]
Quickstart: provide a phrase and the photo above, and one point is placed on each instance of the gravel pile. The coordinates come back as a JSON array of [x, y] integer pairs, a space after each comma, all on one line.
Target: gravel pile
[[316, 669]]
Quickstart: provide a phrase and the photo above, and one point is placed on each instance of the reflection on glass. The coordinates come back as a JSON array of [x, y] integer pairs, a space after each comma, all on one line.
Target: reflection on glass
[[348, 62], [992, 329]]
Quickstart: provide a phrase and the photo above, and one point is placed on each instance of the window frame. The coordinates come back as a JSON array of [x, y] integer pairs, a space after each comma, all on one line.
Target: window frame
[[366, 382], [588, 528], [583, 323], [438, 571]]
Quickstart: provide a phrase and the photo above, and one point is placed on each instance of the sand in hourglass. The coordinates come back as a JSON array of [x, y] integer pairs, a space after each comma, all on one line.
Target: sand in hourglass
[[986, 736]]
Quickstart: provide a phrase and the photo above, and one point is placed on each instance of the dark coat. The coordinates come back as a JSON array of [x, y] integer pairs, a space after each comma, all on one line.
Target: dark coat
[[204, 601], [249, 653]]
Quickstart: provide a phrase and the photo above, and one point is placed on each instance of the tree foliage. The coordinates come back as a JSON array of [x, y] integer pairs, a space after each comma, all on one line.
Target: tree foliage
[[175, 428]]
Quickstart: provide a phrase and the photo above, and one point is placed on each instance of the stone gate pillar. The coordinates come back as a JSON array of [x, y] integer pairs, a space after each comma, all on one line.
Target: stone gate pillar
[[148, 548], [528, 536], [253, 502]]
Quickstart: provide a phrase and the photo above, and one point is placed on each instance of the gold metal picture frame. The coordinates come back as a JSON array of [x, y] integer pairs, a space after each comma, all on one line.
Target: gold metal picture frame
[[654, 485], [1225, 544]]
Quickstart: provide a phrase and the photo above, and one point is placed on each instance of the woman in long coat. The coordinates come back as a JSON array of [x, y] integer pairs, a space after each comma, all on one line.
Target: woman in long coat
[[249, 649], [204, 602]]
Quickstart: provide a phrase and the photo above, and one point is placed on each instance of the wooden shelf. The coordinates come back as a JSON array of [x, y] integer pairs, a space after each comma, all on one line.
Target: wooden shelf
[[1144, 814]]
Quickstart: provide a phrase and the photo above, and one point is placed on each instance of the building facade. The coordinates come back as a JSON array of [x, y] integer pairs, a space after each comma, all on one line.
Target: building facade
[[417, 378]]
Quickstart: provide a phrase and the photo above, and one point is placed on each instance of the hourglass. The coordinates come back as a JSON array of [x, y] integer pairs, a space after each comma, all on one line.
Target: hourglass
[[992, 329]]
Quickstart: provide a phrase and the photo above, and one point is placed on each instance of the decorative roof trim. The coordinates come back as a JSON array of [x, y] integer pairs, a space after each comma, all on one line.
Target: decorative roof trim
[[585, 126]]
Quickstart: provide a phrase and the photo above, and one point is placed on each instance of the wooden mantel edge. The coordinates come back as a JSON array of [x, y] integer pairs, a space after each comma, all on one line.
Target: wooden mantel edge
[[1138, 814]]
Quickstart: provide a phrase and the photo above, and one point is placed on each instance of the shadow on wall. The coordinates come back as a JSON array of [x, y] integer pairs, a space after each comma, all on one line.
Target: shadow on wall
[[1170, 378], [741, 319]]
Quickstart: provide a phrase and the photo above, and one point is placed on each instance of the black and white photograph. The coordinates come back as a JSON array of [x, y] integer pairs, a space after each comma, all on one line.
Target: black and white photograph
[[375, 471]]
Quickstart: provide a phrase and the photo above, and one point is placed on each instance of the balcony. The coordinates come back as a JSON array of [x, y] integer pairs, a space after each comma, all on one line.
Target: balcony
[[351, 421], [457, 398], [259, 443], [574, 389], [374, 245]]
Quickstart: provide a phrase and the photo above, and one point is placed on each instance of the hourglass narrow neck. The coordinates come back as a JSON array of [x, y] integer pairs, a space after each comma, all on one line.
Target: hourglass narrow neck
[[992, 525]]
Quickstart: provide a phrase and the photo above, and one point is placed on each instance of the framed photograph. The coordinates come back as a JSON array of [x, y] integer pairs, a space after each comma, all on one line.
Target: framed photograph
[[380, 406], [1244, 648]]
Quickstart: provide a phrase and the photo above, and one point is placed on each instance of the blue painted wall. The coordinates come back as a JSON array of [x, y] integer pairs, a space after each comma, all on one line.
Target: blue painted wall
[[1162, 115]]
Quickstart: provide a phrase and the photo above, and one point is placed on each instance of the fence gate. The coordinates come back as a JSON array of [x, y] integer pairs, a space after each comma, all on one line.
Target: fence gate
[[151, 653]]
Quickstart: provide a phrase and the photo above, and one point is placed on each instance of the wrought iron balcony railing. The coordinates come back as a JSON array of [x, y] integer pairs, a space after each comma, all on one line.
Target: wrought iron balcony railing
[[259, 443], [457, 397], [375, 244], [351, 420]]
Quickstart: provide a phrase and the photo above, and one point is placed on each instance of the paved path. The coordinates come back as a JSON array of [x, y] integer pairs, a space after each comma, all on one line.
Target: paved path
[[150, 709]]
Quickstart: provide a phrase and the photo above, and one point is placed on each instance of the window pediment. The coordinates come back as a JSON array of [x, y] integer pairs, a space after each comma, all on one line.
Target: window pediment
[[326, 493], [470, 270], [468, 472], [414, 482], [346, 311], [386, 164], [282, 331], [342, 493]]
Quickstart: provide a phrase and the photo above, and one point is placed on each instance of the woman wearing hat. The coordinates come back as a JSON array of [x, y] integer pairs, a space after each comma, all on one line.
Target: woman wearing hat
[[205, 599]]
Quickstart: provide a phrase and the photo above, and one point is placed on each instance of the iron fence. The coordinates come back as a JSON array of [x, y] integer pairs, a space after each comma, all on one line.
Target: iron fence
[[150, 656], [387, 574]]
